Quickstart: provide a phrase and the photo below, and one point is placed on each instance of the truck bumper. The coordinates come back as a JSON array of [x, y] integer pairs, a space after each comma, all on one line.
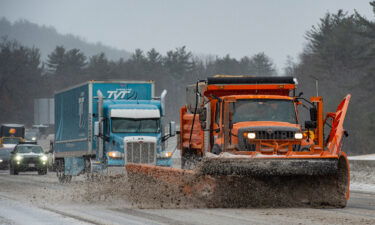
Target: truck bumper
[[159, 162], [115, 162], [164, 162]]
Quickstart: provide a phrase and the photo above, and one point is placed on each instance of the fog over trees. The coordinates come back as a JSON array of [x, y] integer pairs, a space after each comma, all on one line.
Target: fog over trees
[[47, 38], [340, 53]]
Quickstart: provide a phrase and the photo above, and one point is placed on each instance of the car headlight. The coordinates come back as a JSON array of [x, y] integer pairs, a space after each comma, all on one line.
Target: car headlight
[[1, 160], [298, 135], [18, 157], [251, 135], [33, 138], [115, 154], [44, 158]]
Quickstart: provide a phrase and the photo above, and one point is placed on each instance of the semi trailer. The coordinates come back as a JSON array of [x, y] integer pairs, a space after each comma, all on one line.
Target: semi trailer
[[107, 124]]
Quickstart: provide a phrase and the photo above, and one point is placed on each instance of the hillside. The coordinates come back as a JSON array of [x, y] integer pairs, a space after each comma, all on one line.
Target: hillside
[[47, 38]]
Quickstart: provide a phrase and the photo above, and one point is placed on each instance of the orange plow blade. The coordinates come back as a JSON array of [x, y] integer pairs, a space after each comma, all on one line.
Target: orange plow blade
[[154, 186]]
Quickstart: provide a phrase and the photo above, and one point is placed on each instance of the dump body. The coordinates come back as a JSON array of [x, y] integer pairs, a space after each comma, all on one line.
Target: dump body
[[110, 109]]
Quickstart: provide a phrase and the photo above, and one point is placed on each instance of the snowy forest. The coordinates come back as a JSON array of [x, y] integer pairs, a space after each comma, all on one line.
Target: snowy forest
[[340, 54]]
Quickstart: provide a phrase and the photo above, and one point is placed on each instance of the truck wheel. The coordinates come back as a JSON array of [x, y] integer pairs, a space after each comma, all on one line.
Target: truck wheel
[[63, 179], [60, 172], [68, 178], [216, 149]]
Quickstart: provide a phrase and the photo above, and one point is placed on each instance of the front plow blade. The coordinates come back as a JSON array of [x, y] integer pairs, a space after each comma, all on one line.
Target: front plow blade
[[156, 186], [233, 183], [268, 167]]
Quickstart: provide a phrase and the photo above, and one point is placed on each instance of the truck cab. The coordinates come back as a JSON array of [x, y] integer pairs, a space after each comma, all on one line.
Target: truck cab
[[257, 123], [132, 125], [253, 116], [104, 124]]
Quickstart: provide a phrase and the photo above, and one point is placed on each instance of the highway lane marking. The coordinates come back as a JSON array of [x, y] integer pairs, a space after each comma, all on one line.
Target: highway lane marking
[[57, 212], [19, 212], [219, 212], [74, 216], [150, 216]]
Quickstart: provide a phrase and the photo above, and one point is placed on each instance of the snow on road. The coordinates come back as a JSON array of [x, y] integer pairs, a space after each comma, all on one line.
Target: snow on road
[[15, 212], [32, 199]]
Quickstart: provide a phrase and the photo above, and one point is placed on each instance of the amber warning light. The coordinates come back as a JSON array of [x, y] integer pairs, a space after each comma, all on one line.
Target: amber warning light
[[12, 131]]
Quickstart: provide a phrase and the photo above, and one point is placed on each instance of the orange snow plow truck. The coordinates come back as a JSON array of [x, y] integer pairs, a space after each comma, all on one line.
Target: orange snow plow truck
[[243, 144]]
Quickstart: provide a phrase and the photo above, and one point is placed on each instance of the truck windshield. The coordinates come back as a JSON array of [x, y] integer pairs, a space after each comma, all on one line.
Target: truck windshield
[[29, 149], [264, 110], [127, 125]]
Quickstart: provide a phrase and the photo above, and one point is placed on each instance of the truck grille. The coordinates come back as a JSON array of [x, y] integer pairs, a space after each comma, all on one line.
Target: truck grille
[[141, 152], [274, 135]]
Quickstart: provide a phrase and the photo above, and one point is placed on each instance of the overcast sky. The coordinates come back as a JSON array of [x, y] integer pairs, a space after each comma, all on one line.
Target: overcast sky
[[205, 26]]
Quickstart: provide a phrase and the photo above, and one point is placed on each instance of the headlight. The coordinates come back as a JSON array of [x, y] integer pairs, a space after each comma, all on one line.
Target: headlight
[[251, 135], [44, 158], [298, 135], [115, 154], [1, 160], [33, 138], [18, 157], [167, 154]]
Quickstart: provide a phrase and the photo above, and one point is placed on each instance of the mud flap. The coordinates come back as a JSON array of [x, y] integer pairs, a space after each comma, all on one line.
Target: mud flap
[[74, 165]]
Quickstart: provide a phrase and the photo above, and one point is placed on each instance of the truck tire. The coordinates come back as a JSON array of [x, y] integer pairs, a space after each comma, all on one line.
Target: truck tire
[[60, 172], [216, 149]]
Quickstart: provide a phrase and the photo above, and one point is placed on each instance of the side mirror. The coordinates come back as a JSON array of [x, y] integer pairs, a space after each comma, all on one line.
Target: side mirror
[[172, 129], [96, 128], [313, 114], [310, 124], [162, 102]]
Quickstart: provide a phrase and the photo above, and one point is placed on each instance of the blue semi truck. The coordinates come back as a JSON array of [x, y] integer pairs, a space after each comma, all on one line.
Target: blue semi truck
[[104, 124]]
